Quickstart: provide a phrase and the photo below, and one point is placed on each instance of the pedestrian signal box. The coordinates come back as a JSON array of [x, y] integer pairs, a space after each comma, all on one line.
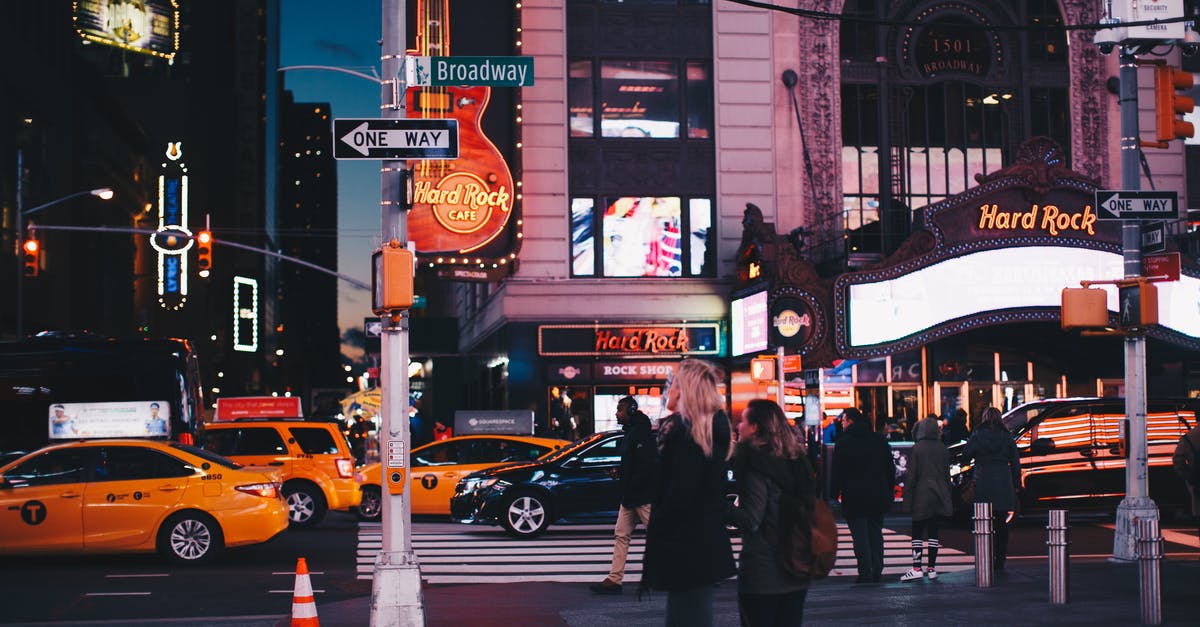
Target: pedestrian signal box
[[1084, 308], [762, 369], [1139, 305], [391, 279]]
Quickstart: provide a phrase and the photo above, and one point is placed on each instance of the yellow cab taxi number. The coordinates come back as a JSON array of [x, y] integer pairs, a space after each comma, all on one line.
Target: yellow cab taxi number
[[212, 476]]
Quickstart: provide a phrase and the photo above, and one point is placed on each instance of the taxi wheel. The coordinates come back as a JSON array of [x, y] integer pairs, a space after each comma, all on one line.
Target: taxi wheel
[[190, 538], [306, 505], [526, 515], [371, 508]]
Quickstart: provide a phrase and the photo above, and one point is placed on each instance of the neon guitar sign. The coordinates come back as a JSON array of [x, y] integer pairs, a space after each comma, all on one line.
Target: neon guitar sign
[[461, 207]]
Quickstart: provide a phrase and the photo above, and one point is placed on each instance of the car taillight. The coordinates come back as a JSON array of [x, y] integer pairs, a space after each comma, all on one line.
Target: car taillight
[[186, 438], [345, 467], [265, 490]]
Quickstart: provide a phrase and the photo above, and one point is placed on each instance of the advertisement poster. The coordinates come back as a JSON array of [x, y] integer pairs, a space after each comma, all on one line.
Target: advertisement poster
[[129, 419]]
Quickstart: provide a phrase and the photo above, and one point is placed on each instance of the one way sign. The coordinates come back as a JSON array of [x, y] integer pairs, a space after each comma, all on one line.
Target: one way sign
[[404, 138]]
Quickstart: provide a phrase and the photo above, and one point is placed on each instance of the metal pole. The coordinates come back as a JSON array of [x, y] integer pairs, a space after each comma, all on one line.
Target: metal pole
[[1059, 564], [396, 588], [779, 395], [983, 545], [1137, 503], [1149, 555], [19, 240]]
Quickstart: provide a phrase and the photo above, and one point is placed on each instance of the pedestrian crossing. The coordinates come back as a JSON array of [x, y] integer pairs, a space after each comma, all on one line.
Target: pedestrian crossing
[[580, 553]]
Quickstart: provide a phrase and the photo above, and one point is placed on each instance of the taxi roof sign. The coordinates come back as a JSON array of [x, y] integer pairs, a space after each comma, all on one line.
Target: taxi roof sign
[[237, 407]]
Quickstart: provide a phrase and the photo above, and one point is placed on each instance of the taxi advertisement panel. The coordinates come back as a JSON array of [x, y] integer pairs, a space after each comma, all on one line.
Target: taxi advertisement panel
[[128, 419]]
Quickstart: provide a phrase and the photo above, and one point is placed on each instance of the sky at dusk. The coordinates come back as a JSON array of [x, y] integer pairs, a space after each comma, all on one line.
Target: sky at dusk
[[344, 34]]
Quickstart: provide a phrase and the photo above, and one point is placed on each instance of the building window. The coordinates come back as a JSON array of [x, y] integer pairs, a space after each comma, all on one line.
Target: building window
[[640, 98], [641, 236]]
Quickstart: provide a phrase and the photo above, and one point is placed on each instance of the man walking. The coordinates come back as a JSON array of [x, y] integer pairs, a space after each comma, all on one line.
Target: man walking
[[864, 476], [639, 454]]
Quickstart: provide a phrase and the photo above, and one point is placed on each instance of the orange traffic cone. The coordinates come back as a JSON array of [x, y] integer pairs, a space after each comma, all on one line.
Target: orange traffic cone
[[304, 607]]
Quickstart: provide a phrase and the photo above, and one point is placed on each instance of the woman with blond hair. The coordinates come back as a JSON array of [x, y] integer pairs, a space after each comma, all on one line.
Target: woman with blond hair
[[687, 547]]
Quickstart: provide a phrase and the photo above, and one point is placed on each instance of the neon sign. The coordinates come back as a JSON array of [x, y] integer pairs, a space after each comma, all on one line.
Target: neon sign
[[172, 239]]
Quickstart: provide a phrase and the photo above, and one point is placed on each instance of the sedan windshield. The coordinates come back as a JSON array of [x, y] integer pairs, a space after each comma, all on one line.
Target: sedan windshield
[[576, 446]]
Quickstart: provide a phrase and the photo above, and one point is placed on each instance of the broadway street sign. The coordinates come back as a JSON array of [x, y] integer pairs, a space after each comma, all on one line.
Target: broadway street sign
[[474, 71], [403, 138], [1136, 205]]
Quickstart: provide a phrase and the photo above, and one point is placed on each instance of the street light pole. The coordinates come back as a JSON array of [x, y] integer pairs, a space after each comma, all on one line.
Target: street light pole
[[103, 193], [396, 588]]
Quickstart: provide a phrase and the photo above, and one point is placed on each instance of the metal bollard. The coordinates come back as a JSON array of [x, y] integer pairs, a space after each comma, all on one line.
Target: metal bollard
[[1149, 554], [983, 545], [1059, 566]]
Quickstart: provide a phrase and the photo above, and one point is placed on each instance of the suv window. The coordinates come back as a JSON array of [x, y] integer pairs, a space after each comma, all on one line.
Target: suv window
[[314, 441]]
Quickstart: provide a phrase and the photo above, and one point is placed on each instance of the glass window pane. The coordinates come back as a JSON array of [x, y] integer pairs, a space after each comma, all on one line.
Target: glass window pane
[[583, 249], [642, 237], [699, 101], [579, 99], [700, 223], [314, 441], [260, 441], [639, 99]]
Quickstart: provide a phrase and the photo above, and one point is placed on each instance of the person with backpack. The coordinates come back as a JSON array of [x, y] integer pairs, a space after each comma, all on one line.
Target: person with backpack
[[864, 476], [769, 463], [927, 495], [687, 546], [1186, 461], [639, 460]]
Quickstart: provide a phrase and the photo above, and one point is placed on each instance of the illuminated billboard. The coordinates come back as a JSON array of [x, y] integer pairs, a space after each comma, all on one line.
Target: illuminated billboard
[[748, 324], [133, 419], [144, 26]]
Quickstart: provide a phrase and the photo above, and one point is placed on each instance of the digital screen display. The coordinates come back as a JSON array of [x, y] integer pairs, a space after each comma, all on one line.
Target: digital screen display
[[748, 322]]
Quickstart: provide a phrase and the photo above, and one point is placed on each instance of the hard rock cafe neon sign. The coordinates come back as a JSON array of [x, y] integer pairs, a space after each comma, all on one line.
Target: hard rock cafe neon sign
[[1048, 218], [463, 202]]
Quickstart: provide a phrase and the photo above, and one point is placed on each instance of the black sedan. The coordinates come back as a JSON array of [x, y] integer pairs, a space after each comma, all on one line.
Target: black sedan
[[579, 483]]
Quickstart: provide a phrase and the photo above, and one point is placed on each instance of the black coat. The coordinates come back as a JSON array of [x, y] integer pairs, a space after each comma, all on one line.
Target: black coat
[[639, 462], [762, 478], [687, 545], [997, 467], [863, 474]]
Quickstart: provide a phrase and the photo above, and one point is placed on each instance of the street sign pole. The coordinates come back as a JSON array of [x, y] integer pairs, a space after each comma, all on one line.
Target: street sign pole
[[1137, 503], [396, 588]]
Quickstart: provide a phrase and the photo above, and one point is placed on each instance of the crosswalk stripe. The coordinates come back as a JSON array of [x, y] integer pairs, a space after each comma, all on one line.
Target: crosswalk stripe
[[580, 554]]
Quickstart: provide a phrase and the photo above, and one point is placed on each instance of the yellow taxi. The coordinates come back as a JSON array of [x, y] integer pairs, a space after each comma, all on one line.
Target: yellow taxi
[[108, 496], [435, 469]]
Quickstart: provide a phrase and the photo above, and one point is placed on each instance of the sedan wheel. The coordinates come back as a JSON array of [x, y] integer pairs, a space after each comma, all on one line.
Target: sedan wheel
[[190, 538], [526, 516], [371, 507]]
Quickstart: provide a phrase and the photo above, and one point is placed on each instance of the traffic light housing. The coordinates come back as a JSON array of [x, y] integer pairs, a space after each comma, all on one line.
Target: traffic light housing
[[31, 254], [1084, 308], [204, 253], [391, 279], [1168, 104]]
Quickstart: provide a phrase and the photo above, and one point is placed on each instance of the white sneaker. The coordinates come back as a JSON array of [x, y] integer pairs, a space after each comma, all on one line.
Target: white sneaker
[[912, 574], [932, 574]]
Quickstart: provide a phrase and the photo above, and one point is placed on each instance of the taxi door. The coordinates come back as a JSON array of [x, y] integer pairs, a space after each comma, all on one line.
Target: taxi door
[[41, 502], [132, 489], [252, 446], [436, 469]]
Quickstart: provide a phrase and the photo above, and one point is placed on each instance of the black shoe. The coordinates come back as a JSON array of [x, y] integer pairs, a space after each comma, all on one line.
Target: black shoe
[[862, 579], [606, 587], [877, 577]]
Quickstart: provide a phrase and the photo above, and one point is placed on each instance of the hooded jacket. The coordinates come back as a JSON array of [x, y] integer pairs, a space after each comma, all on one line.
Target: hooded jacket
[[927, 488], [639, 461], [864, 475]]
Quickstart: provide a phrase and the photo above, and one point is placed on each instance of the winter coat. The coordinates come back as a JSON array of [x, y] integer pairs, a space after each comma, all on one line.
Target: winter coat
[[863, 474], [997, 471], [927, 489], [956, 431], [687, 545], [762, 478], [1183, 459], [639, 462]]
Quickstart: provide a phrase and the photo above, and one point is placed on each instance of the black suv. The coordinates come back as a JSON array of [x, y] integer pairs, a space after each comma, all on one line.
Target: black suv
[[1073, 453]]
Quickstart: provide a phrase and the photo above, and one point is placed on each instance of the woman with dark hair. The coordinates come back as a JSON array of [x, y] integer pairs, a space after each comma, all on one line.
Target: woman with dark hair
[[768, 462], [997, 475], [687, 547]]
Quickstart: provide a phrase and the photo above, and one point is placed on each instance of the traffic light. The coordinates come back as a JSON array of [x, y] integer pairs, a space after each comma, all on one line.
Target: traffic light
[[391, 279], [1084, 308], [204, 253], [32, 255], [1168, 104]]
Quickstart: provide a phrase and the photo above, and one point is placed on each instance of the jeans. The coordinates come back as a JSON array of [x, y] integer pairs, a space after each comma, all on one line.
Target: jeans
[[690, 608], [867, 533], [627, 519], [772, 610]]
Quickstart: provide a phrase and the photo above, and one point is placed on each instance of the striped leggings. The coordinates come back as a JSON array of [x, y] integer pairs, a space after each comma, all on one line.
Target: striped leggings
[[926, 528]]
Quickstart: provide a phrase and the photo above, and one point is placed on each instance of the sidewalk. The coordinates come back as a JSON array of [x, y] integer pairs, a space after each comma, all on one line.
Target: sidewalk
[[1100, 592]]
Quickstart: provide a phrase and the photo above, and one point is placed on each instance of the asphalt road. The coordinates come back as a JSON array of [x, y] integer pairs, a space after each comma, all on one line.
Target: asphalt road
[[257, 581]]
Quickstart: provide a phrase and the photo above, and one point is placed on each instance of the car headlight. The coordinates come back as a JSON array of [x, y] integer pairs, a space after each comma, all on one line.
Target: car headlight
[[476, 484]]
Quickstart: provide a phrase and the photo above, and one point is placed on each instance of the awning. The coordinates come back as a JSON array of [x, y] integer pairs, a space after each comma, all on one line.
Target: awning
[[367, 402]]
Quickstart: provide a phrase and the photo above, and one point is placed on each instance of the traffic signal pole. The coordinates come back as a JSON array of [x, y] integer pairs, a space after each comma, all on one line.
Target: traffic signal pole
[[396, 589], [1137, 503]]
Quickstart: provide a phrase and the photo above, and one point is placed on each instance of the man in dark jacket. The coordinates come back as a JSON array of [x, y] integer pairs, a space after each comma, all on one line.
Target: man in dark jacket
[[864, 476], [639, 457]]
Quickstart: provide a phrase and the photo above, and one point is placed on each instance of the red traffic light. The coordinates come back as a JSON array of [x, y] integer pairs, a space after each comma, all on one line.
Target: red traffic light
[[31, 258], [204, 242]]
